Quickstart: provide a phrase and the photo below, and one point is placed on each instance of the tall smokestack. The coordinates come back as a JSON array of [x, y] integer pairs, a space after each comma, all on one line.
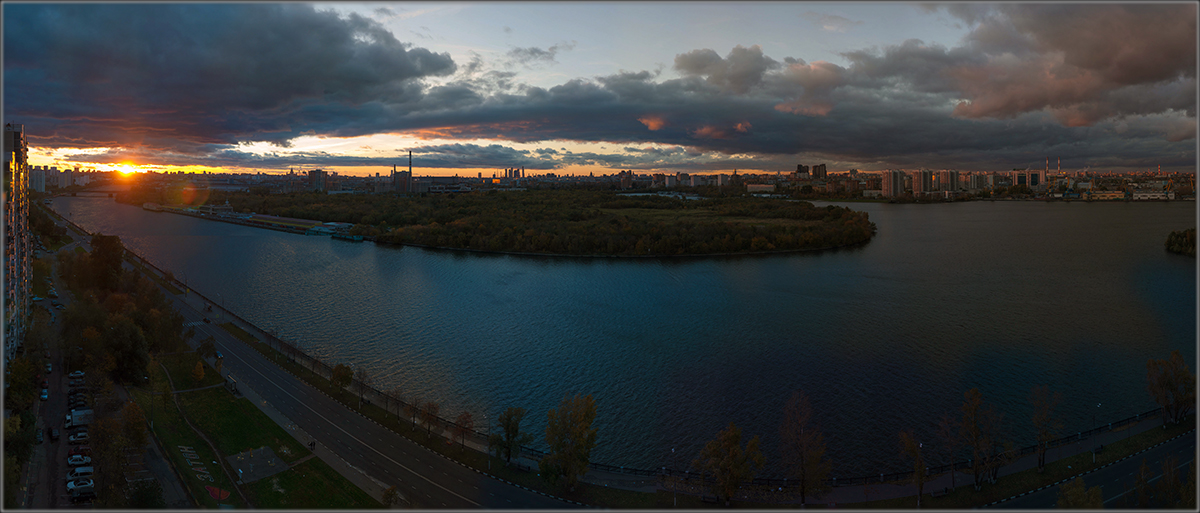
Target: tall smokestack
[[1060, 164], [410, 162]]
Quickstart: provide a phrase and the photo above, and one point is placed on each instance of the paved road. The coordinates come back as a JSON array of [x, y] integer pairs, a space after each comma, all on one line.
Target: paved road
[[426, 479], [1118, 478]]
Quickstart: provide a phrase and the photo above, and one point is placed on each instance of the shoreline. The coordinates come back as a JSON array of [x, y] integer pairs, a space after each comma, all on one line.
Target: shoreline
[[521, 253]]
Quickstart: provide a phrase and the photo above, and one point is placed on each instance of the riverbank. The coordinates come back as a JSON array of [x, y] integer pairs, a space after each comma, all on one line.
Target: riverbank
[[574, 223]]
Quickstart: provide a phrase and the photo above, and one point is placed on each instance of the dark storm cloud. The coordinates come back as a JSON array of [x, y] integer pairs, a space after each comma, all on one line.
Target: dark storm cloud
[[742, 69], [1084, 63], [1008, 95], [178, 74]]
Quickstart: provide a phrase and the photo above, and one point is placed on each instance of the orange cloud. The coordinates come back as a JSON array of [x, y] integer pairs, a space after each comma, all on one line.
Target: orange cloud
[[710, 132], [814, 109], [653, 122], [743, 127]]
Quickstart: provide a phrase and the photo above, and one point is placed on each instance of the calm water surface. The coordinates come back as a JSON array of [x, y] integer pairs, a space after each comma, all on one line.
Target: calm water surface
[[1001, 296]]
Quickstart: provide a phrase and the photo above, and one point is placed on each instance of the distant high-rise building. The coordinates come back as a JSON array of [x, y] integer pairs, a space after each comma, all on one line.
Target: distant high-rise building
[[317, 180], [37, 179], [18, 249], [948, 181], [818, 171], [922, 182], [893, 183]]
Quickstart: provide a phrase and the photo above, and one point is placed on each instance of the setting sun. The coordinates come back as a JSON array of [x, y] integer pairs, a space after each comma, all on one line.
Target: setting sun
[[125, 168]]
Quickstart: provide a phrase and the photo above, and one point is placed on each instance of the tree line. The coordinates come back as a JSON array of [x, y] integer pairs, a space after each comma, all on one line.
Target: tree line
[[117, 319], [728, 462], [1182, 242], [574, 222]]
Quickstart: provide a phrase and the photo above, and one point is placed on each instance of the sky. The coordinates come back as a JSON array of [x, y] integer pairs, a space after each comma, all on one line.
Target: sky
[[599, 87]]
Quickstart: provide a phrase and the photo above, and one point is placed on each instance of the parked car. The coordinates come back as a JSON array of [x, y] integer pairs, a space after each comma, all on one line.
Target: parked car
[[81, 450], [76, 374], [53, 293], [80, 484], [60, 307], [81, 497], [38, 298], [78, 438], [45, 383], [78, 460], [48, 367], [53, 434], [54, 303], [77, 382], [39, 436], [45, 394]]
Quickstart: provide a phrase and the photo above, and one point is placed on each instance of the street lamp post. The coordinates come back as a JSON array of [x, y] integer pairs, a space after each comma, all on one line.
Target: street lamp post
[[674, 491]]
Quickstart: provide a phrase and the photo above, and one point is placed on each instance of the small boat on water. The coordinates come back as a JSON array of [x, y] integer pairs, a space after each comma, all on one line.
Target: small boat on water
[[352, 238]]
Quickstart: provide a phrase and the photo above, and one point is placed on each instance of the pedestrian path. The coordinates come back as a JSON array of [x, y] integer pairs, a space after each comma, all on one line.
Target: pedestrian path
[[650, 484]]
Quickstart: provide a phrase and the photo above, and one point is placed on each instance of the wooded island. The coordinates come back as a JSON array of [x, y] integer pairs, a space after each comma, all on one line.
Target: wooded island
[[562, 222]]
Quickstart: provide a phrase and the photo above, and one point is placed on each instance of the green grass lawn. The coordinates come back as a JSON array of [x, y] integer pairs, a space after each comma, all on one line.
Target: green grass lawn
[[309, 485], [80, 250], [236, 425], [181, 367], [173, 432]]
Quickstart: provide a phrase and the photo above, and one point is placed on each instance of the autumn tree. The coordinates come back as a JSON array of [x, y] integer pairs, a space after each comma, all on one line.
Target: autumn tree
[[207, 348], [803, 448], [362, 381], [390, 497], [1168, 489], [21, 391], [1172, 385], [1075, 495], [910, 448], [429, 416], [509, 440], [1141, 486], [728, 462], [107, 252], [1045, 421], [198, 373], [462, 427], [979, 430], [948, 435], [342, 374], [571, 438], [412, 409], [133, 423]]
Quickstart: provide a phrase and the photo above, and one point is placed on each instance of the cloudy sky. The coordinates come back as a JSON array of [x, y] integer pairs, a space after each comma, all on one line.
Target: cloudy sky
[[598, 87]]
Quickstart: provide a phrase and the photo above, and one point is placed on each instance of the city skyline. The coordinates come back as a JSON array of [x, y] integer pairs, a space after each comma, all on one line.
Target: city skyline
[[596, 88]]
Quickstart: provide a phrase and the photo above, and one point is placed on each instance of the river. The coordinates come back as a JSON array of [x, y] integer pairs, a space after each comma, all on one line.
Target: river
[[1001, 296]]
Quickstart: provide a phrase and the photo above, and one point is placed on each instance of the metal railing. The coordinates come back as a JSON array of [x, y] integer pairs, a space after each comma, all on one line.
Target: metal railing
[[400, 408]]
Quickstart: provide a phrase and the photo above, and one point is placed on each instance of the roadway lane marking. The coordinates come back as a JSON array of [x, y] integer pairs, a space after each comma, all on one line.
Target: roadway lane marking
[[1151, 480], [401, 465]]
